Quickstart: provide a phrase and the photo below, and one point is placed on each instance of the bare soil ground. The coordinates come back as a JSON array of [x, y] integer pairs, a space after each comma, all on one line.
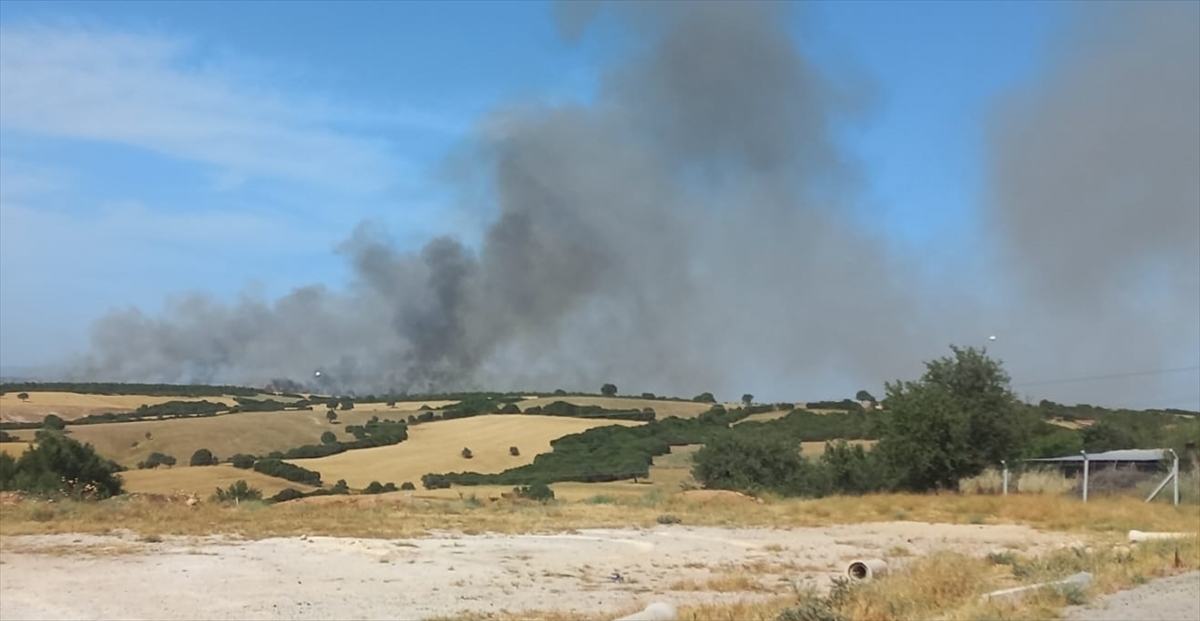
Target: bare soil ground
[[1176, 598], [122, 577]]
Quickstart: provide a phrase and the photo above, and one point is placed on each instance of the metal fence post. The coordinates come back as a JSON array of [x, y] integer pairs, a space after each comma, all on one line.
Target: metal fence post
[[1085, 475]]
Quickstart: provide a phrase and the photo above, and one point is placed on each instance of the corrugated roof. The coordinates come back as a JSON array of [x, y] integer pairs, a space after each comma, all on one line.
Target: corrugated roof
[[1122, 455]]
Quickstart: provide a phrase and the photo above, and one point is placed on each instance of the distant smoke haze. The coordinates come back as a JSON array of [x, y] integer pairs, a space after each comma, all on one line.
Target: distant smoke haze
[[692, 231]]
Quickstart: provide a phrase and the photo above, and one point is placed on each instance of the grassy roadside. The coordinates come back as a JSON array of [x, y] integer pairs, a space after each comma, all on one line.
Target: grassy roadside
[[946, 586], [399, 515]]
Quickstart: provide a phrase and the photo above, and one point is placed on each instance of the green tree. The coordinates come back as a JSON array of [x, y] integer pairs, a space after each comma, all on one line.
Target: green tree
[[863, 395], [705, 397], [328, 438], [747, 399], [202, 457], [243, 461], [927, 445], [1108, 436], [23, 396], [979, 387], [347, 403], [331, 416], [609, 390], [54, 422]]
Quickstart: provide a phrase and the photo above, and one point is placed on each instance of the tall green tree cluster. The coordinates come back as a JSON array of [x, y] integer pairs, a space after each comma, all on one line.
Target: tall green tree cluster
[[958, 418]]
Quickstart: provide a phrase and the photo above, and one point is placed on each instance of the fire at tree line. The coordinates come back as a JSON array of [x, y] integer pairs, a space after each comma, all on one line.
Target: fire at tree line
[[957, 419]]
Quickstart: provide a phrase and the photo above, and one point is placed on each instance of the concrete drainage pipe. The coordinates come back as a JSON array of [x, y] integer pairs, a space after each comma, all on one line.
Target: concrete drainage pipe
[[867, 569]]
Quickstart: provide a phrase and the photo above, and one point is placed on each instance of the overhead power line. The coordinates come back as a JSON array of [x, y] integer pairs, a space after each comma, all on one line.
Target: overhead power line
[[1109, 376]]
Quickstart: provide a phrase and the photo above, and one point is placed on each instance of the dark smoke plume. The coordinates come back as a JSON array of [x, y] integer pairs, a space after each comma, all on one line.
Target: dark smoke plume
[[1096, 201], [692, 230]]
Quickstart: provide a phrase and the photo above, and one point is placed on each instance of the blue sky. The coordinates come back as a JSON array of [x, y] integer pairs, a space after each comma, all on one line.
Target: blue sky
[[153, 149]]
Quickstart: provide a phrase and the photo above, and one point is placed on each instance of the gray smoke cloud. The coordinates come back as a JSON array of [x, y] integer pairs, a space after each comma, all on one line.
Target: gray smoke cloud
[[1096, 200], [692, 230]]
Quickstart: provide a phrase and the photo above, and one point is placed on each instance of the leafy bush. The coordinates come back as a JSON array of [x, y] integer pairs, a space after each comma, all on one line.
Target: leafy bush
[[287, 494], [514, 451], [203, 457], [467, 454], [328, 438], [155, 460], [7, 437], [341, 487], [243, 461], [376, 488], [435, 481], [408, 486], [749, 463], [510, 408], [54, 422], [536, 491], [705, 397], [239, 491], [58, 464]]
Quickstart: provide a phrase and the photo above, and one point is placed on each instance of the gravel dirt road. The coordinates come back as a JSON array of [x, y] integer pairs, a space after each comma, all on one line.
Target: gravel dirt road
[[1176, 598], [89, 577]]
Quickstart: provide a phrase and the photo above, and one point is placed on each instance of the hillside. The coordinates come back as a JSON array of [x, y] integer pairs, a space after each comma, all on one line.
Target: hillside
[[436, 447], [71, 405], [662, 408]]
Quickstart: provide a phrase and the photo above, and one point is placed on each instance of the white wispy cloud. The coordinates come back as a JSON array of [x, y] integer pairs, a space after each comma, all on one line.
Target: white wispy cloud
[[165, 94]]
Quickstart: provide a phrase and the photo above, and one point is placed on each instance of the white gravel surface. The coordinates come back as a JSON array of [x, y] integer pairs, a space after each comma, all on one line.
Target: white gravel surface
[[1176, 598], [88, 577]]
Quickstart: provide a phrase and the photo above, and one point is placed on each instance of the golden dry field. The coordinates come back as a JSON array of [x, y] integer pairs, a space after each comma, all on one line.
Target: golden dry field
[[202, 480], [662, 409], [15, 448], [256, 433], [437, 446], [70, 405]]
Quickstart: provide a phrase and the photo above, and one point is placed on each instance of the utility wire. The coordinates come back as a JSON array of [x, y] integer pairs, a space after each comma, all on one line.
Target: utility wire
[[1109, 376]]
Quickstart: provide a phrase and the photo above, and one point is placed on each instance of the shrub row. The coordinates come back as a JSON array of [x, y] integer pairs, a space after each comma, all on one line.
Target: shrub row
[[284, 470]]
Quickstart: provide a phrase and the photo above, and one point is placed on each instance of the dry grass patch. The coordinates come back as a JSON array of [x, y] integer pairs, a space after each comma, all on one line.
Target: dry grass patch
[[403, 517], [725, 582], [15, 448], [437, 446]]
